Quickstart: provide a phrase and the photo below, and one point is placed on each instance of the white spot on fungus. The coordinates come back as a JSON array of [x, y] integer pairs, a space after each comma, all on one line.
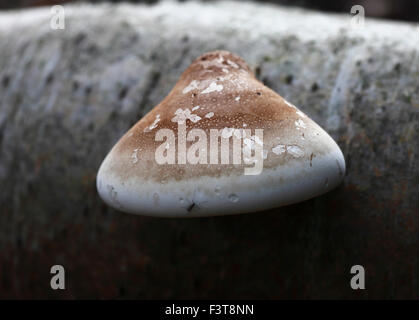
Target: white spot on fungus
[[209, 115], [295, 151], [213, 87], [134, 156], [280, 148], [249, 143], [300, 124], [194, 118], [233, 64], [153, 125], [182, 115]]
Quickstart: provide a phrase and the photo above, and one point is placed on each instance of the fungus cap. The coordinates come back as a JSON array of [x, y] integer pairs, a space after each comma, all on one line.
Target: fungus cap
[[220, 143]]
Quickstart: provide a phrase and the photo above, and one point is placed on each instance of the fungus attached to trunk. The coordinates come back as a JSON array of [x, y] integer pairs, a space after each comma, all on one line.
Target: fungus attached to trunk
[[220, 143]]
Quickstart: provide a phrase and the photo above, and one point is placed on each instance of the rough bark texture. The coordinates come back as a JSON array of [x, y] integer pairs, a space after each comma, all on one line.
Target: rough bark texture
[[66, 96]]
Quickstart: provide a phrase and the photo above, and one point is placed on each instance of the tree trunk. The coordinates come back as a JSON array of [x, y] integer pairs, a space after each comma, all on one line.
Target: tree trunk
[[67, 96]]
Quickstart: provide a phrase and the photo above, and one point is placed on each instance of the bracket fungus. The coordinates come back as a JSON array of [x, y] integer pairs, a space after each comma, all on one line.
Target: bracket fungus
[[220, 143]]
